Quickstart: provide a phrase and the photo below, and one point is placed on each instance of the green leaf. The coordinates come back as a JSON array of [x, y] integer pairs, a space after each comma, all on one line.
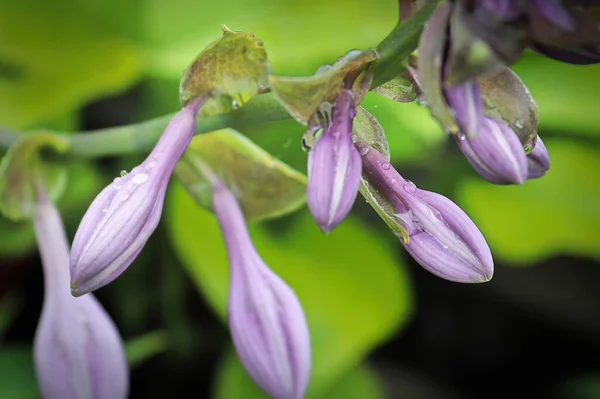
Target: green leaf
[[22, 166], [556, 214], [301, 96], [265, 186], [142, 348], [232, 382], [351, 283], [398, 89], [17, 378], [54, 62], [234, 66]]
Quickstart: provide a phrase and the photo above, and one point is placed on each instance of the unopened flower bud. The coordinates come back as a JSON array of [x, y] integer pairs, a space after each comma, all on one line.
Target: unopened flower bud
[[496, 153], [442, 238], [122, 217], [266, 320], [334, 166], [78, 352], [538, 161]]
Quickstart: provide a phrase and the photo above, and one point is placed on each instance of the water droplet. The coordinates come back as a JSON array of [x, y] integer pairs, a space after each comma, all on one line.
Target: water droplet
[[461, 136], [410, 187], [437, 214], [123, 173], [365, 150], [139, 178], [235, 104], [394, 181], [519, 123], [385, 165], [117, 184], [354, 138], [444, 246], [105, 210]]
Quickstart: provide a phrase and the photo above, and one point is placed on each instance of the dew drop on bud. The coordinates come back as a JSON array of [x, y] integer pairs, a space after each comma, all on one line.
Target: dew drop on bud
[[117, 184], [519, 123], [354, 138], [123, 173], [461, 136], [385, 166], [410, 187], [139, 178], [365, 150]]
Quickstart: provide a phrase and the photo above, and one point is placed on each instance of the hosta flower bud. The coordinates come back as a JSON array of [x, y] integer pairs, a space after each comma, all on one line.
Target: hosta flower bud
[[266, 320], [334, 166], [442, 238], [496, 153], [538, 161], [78, 352], [122, 217]]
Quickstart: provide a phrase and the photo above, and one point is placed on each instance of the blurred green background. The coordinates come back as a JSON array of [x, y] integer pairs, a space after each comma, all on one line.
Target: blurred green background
[[381, 327]]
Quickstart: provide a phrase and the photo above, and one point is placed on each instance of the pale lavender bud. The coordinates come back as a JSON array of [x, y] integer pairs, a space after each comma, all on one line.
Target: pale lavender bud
[[78, 352], [442, 238], [538, 161], [334, 166], [122, 217], [495, 152], [266, 320]]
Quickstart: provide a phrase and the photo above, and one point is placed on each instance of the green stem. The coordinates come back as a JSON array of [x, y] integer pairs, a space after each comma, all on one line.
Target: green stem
[[141, 137]]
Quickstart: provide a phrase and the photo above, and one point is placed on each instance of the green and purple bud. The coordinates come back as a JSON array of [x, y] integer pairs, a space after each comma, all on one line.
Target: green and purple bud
[[441, 237], [122, 217], [334, 166], [78, 352], [266, 320]]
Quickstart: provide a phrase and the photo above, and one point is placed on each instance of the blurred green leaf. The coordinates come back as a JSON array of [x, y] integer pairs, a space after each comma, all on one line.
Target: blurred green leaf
[[54, 62], [232, 382], [265, 186], [567, 95], [557, 214], [21, 166], [234, 66], [398, 89], [351, 283], [298, 36], [17, 378], [585, 386], [142, 348]]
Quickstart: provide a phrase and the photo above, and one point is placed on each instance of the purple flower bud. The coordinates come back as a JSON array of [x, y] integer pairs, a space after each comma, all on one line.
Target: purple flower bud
[[538, 161], [466, 102], [266, 320], [442, 238], [555, 13], [496, 153], [334, 166], [78, 352], [122, 217]]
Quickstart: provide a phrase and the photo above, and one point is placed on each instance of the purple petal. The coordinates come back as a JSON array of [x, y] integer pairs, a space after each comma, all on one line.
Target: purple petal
[[78, 352], [538, 161], [555, 13], [122, 217], [266, 320], [334, 167], [466, 102], [496, 153]]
